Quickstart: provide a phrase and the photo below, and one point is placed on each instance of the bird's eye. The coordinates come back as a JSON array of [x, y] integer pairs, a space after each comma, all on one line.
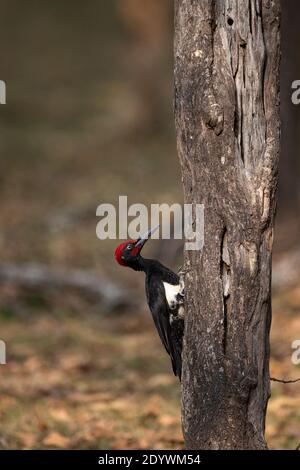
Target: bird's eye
[[128, 247]]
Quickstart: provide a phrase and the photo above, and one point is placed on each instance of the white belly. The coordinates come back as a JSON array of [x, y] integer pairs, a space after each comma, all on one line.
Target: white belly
[[171, 294]]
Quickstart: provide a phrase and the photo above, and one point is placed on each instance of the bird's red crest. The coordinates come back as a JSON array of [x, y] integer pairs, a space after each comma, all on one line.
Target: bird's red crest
[[132, 250], [119, 250]]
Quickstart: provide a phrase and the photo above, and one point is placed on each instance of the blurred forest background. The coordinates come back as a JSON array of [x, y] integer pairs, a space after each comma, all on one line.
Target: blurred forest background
[[89, 116]]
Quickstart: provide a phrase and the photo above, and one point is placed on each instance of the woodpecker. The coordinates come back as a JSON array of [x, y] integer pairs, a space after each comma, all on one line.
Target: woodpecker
[[165, 295]]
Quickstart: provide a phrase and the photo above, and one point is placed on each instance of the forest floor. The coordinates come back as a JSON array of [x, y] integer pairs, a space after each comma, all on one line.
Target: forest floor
[[86, 382]]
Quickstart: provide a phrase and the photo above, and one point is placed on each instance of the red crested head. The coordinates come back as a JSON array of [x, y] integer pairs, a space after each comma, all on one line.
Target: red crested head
[[126, 250], [126, 254]]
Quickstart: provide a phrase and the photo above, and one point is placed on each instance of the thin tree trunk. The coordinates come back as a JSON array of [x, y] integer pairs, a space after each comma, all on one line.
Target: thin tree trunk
[[227, 55], [289, 194]]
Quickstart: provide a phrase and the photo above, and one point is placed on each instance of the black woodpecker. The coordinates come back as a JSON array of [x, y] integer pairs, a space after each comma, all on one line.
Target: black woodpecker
[[165, 296]]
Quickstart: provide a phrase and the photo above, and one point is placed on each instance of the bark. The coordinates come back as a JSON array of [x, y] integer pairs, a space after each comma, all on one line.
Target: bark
[[227, 55]]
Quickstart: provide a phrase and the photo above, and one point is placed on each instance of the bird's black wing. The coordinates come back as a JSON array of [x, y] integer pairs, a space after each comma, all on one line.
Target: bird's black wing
[[161, 316]]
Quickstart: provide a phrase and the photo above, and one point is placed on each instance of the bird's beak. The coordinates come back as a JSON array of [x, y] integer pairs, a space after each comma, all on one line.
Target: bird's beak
[[142, 240]]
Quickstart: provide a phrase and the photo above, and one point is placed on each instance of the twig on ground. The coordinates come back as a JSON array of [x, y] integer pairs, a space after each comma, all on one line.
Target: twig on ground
[[41, 277], [274, 379]]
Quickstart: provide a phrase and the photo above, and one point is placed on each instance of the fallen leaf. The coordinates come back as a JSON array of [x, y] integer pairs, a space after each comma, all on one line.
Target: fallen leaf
[[168, 420], [60, 414], [54, 439], [27, 439]]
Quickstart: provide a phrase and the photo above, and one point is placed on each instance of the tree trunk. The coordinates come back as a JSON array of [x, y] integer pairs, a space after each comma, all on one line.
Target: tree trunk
[[289, 194], [227, 55]]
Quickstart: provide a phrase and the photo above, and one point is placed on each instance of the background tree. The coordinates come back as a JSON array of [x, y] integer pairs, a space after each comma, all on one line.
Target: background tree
[[227, 117], [289, 194]]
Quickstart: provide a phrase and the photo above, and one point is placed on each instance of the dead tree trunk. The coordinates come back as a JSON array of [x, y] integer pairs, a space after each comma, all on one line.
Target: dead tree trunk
[[227, 55], [289, 194]]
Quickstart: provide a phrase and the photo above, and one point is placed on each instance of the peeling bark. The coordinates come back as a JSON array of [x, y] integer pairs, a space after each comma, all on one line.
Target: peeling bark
[[227, 55]]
